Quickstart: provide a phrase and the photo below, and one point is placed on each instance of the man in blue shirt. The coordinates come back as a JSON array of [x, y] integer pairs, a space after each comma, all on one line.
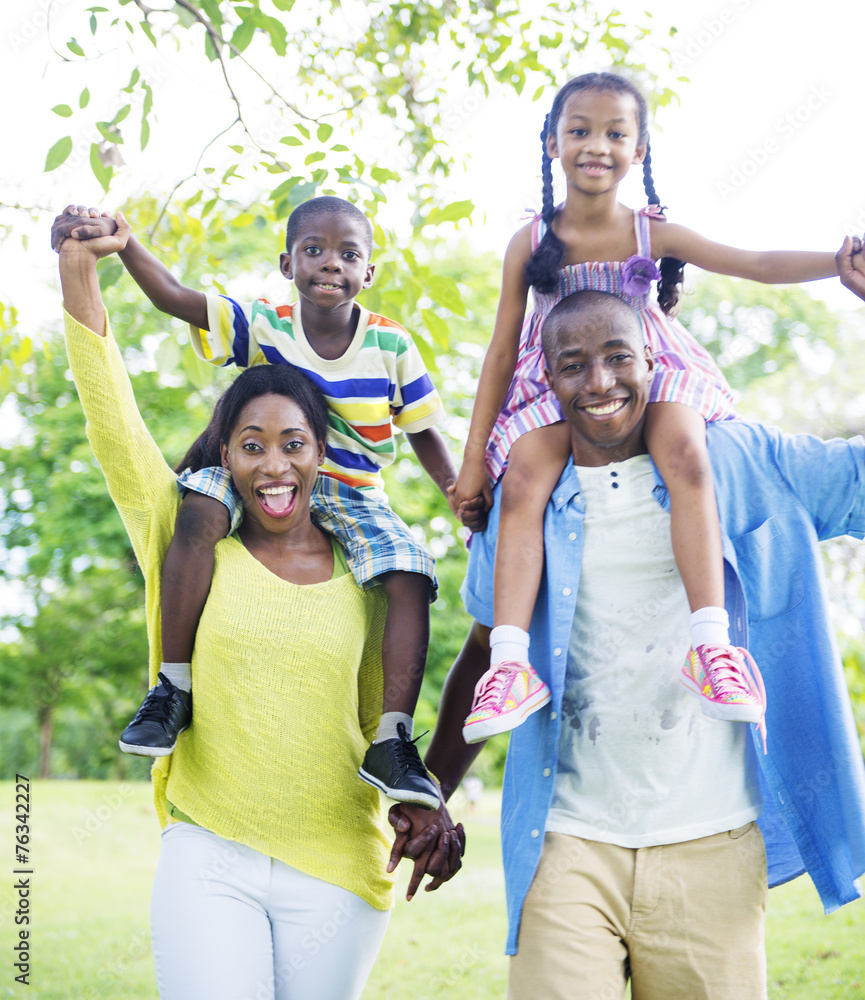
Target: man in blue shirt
[[627, 834]]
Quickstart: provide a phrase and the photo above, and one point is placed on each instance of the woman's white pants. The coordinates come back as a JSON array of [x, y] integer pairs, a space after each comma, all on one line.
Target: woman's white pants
[[230, 923]]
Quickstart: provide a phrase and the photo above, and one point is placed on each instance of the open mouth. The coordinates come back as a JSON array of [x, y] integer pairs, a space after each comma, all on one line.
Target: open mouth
[[277, 501], [605, 409], [327, 287], [594, 169]]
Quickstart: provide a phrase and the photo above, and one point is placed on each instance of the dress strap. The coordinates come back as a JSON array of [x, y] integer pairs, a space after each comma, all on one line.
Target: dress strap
[[539, 227], [641, 230]]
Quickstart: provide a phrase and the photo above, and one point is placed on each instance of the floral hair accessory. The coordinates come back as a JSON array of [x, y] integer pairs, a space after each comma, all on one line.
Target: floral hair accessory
[[638, 275]]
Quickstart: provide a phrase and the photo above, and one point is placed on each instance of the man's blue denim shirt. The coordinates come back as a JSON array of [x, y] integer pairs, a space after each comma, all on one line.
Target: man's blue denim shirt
[[778, 496]]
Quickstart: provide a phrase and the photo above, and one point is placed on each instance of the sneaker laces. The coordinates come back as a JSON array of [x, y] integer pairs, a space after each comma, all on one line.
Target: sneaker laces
[[493, 686], [405, 751], [154, 706], [730, 677]]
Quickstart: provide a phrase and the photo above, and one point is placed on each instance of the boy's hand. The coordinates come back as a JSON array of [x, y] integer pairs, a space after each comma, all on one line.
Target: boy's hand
[[851, 265], [72, 224], [106, 235]]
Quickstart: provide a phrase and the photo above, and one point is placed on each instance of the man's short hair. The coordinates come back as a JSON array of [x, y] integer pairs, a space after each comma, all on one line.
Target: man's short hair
[[333, 206], [582, 302]]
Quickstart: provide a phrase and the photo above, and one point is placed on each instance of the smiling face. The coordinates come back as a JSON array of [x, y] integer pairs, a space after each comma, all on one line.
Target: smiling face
[[600, 372], [329, 260], [597, 139], [273, 458]]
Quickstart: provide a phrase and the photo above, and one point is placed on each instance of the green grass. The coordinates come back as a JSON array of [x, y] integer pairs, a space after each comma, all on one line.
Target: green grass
[[94, 852]]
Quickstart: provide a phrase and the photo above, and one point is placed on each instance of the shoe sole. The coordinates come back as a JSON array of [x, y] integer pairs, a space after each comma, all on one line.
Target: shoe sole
[[410, 798], [145, 751], [483, 730], [726, 713]]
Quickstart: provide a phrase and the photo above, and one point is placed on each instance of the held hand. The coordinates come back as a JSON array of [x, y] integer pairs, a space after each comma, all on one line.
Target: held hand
[[99, 236], [471, 492], [851, 265], [431, 840]]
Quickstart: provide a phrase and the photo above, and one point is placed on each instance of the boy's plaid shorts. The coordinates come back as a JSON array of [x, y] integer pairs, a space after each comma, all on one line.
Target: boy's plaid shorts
[[375, 540]]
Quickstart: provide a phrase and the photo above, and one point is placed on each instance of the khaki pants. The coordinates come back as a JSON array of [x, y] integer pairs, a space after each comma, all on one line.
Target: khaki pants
[[682, 921]]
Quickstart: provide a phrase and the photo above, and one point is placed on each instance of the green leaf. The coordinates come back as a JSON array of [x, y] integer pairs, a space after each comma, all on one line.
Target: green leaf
[[314, 158], [109, 133], [145, 27], [110, 270], [436, 325], [121, 114], [236, 149], [84, 98], [243, 34], [324, 132], [381, 175], [145, 134], [58, 153], [284, 5], [167, 356], [210, 48], [92, 24], [450, 213], [304, 131], [339, 148], [211, 8], [73, 46], [291, 140], [148, 100], [282, 190], [277, 32], [102, 173], [63, 110]]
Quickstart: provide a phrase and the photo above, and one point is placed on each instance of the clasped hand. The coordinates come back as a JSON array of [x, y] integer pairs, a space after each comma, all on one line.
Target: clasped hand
[[431, 840], [100, 235]]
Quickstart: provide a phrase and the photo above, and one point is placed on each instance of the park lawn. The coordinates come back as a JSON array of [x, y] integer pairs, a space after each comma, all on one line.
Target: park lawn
[[95, 849]]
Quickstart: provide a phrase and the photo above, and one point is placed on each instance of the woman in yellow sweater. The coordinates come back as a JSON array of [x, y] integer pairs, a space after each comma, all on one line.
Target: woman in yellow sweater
[[272, 878]]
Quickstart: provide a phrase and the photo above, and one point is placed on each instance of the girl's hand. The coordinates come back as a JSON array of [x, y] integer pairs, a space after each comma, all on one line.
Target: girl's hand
[[851, 265], [99, 237], [472, 493]]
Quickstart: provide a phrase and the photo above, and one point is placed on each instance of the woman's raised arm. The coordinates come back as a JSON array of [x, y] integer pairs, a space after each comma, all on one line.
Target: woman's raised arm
[[139, 480]]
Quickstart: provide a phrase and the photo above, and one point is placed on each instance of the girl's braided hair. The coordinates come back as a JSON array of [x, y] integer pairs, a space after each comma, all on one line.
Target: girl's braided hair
[[543, 266]]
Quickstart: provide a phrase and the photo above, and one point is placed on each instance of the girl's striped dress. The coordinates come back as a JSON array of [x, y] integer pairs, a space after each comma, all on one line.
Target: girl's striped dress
[[684, 371]]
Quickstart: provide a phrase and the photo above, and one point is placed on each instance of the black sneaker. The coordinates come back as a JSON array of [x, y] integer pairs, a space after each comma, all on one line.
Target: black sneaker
[[165, 712], [395, 768]]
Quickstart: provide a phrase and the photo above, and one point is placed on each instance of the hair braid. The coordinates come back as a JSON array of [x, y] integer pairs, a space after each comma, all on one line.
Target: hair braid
[[671, 268], [543, 266]]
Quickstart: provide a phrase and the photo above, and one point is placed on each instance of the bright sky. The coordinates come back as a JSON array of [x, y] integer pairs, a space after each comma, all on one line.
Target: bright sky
[[765, 150]]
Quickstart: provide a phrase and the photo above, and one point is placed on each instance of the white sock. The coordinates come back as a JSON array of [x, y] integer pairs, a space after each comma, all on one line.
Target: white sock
[[508, 642], [180, 674], [387, 726], [709, 627]]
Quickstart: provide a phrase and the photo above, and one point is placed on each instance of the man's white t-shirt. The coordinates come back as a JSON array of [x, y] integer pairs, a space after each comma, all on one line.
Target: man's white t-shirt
[[639, 764]]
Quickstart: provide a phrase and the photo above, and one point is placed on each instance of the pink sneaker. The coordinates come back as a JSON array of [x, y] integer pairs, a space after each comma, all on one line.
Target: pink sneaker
[[505, 697], [729, 681]]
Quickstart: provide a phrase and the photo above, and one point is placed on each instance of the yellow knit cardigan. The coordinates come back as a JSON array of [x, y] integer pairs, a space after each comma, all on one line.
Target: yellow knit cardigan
[[287, 681]]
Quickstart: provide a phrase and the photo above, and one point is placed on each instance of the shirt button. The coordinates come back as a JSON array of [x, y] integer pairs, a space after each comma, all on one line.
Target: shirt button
[[553, 716], [567, 592], [547, 772], [557, 651], [536, 833], [573, 536]]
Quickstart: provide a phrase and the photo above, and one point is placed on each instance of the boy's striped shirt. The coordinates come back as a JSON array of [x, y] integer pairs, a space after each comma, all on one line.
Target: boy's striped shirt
[[380, 383]]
